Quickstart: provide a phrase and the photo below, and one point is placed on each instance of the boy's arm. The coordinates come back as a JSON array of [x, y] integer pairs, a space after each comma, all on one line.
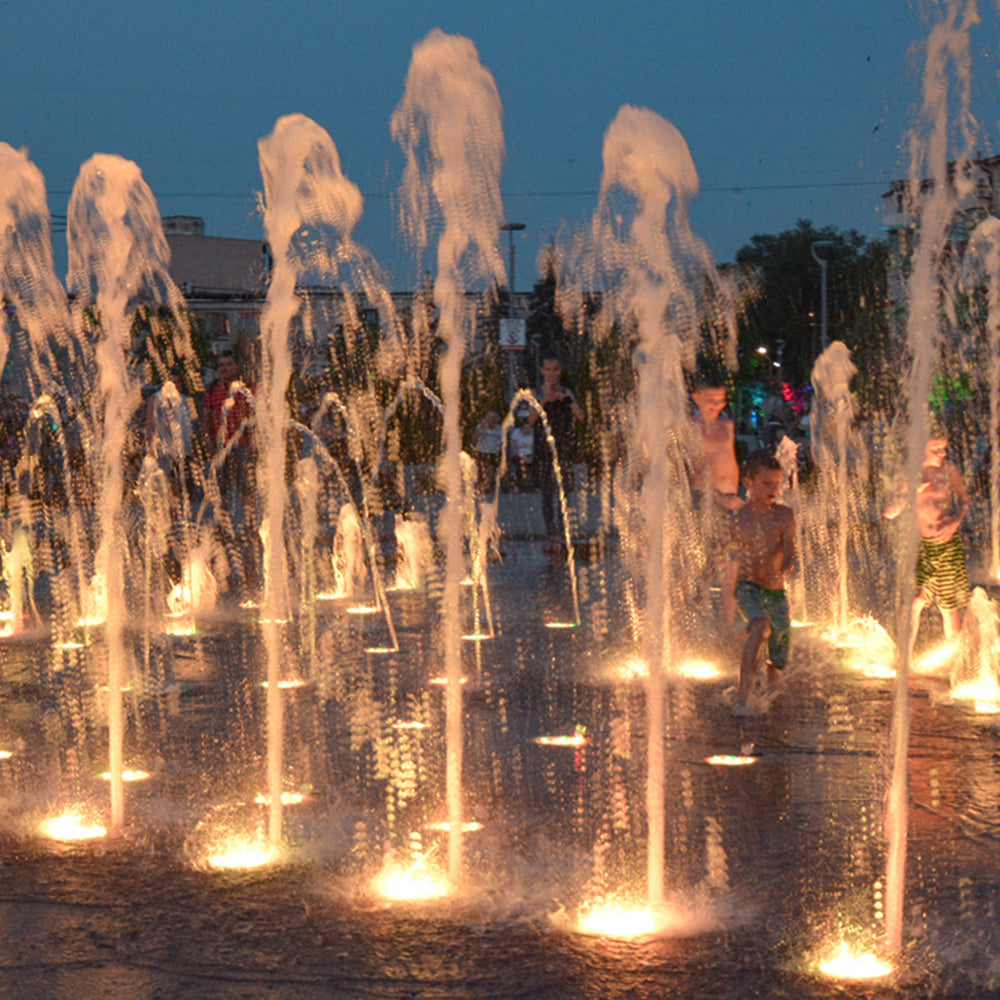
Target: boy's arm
[[788, 544], [730, 571], [949, 527], [896, 507]]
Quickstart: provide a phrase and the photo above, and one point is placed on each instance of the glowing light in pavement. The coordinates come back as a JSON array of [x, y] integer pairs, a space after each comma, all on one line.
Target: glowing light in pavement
[[575, 739], [71, 826], [239, 852], [469, 826], [846, 963], [413, 883], [699, 670], [129, 774], [618, 921]]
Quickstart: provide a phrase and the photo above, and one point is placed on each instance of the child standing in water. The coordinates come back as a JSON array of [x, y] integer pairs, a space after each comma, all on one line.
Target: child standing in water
[[763, 540], [942, 501]]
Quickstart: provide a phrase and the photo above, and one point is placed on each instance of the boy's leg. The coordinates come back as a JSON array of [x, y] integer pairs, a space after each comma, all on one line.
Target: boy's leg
[[757, 632], [919, 603]]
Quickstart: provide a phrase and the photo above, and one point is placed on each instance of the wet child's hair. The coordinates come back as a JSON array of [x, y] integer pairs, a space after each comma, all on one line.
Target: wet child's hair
[[759, 460]]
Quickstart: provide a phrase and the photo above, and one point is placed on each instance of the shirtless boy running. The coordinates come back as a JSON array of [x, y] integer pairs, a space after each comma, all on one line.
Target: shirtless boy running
[[941, 504], [763, 549]]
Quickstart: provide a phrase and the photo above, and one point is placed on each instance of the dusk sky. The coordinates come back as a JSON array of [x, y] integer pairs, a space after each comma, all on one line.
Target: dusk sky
[[791, 110]]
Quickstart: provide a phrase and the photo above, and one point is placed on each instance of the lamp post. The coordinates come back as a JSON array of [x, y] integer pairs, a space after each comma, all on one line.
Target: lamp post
[[510, 228], [824, 337]]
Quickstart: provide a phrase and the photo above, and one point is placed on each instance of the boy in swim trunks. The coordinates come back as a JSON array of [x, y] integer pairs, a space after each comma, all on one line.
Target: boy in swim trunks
[[942, 501], [763, 549]]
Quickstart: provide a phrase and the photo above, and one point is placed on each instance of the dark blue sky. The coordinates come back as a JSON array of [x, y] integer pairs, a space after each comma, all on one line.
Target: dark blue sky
[[791, 110]]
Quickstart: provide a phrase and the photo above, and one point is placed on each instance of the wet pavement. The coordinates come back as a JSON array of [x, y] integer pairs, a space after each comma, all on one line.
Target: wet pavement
[[765, 863]]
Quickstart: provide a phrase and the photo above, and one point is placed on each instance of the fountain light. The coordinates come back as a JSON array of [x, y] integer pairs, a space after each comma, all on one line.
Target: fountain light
[[363, 609], [559, 624], [469, 826], [6, 754], [381, 650], [617, 920], [289, 683], [68, 644], [441, 681], [287, 798], [844, 962], [877, 670], [575, 739], [731, 759], [413, 883], [237, 851], [71, 826], [410, 724], [983, 692], [632, 669], [699, 670], [937, 657], [328, 595], [477, 636], [129, 774], [249, 604], [179, 623]]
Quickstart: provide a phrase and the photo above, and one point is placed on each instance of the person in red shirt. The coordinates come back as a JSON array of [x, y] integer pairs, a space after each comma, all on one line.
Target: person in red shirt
[[227, 426]]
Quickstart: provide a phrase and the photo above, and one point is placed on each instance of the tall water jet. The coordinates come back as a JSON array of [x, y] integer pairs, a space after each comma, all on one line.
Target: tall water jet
[[981, 270], [118, 261], [659, 270], [834, 451], [309, 209], [449, 124], [948, 56]]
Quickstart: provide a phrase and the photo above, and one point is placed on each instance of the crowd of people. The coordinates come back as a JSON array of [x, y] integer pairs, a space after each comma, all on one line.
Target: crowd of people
[[207, 454]]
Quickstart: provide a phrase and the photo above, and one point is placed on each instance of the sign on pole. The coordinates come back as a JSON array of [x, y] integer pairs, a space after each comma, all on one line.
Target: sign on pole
[[513, 336]]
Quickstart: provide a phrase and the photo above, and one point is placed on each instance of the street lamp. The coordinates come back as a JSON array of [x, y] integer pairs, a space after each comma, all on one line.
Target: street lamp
[[510, 228], [824, 338]]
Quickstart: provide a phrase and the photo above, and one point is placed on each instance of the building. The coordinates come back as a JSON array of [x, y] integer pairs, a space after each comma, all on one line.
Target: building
[[224, 282], [976, 186]]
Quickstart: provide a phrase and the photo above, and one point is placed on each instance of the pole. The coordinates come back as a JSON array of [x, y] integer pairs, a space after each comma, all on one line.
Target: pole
[[510, 228], [824, 342]]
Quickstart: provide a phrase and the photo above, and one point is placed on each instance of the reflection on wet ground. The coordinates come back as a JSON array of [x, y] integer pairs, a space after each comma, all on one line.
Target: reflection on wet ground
[[768, 860]]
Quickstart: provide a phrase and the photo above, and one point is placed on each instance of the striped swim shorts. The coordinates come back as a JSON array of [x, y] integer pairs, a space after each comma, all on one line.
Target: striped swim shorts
[[941, 573]]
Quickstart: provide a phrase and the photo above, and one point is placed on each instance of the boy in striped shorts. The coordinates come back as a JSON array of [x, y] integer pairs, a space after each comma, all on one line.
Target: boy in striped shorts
[[942, 501]]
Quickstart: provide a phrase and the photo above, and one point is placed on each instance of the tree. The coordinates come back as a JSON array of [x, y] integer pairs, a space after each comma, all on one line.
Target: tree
[[787, 305]]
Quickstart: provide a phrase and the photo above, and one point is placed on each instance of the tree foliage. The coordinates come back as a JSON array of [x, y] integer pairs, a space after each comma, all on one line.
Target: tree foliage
[[787, 305]]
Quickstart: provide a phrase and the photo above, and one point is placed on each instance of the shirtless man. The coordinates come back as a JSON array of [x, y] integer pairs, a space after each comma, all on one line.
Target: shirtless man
[[942, 501], [763, 550], [714, 469], [715, 474]]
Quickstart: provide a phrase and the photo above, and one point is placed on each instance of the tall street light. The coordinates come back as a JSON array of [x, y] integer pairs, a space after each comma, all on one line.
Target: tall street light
[[824, 336], [510, 228]]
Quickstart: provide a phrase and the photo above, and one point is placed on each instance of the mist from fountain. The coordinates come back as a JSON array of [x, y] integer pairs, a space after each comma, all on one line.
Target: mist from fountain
[[948, 56], [656, 271], [118, 260], [981, 269], [449, 127], [841, 466]]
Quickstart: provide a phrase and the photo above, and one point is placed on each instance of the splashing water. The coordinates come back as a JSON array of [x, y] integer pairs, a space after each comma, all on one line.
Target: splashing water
[[449, 126], [660, 267]]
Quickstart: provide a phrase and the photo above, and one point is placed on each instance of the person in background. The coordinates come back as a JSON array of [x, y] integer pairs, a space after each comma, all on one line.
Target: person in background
[[561, 412], [488, 441], [941, 503]]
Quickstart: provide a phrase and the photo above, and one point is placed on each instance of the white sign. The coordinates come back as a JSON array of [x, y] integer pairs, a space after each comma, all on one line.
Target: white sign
[[513, 336]]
